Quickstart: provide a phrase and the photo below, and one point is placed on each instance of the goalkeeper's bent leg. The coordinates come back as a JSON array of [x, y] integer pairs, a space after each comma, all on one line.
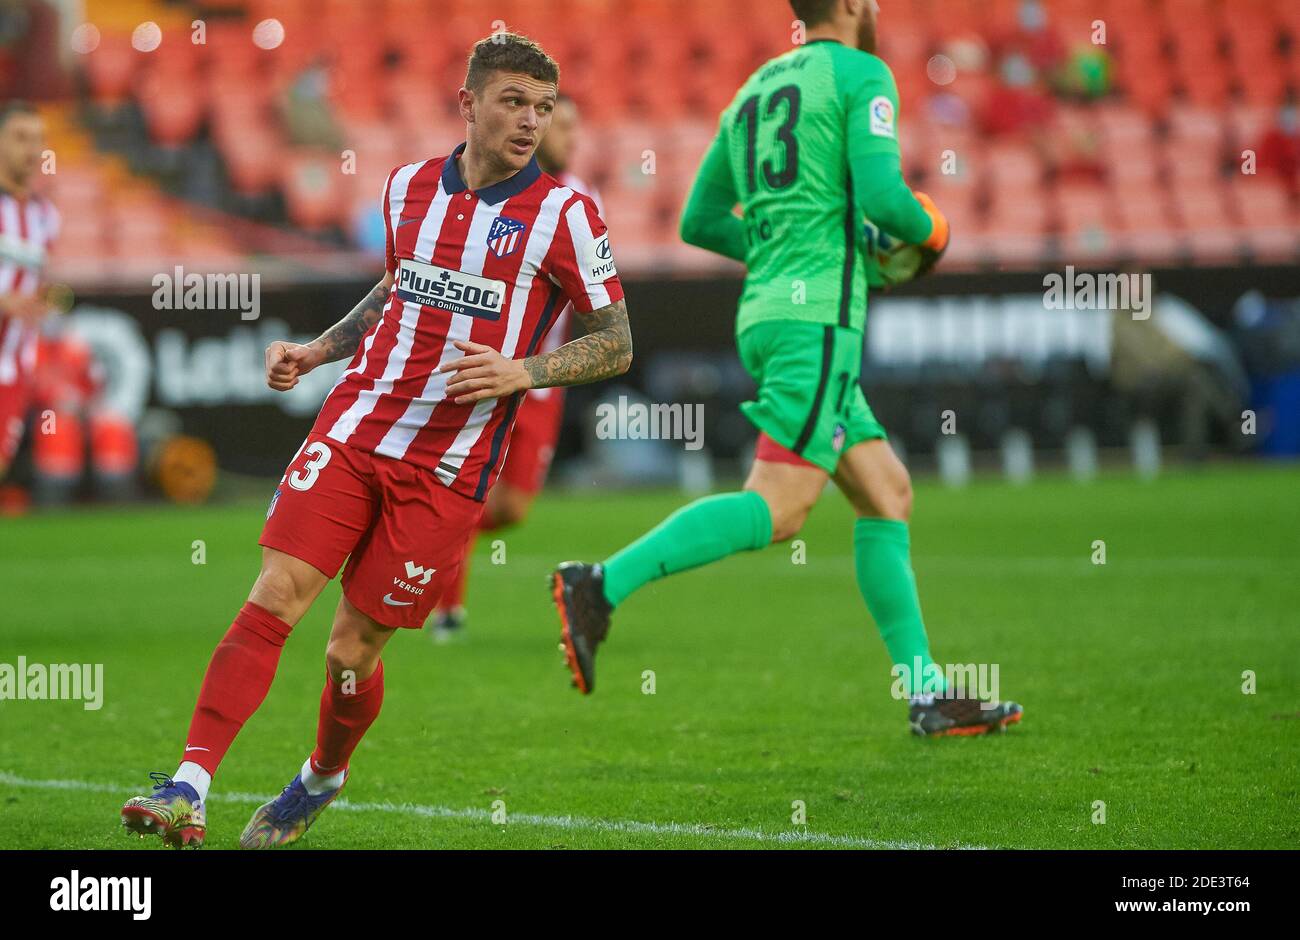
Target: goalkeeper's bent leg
[[772, 507]]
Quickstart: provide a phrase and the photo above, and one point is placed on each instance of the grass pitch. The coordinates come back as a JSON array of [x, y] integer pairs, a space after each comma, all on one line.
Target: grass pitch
[[771, 685]]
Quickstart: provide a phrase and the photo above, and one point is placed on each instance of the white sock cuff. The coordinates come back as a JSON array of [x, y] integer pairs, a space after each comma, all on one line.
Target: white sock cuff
[[191, 773], [317, 784]]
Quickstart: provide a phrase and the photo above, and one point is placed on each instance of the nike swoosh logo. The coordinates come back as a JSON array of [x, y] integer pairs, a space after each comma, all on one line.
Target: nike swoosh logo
[[188, 749], [388, 599], [402, 222]]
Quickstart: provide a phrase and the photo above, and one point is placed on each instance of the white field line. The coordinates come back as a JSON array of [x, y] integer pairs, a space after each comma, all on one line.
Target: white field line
[[573, 823], [967, 564], [1079, 565]]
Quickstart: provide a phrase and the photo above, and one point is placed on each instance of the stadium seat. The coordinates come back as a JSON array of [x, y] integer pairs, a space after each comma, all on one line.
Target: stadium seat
[[110, 69], [173, 111], [312, 186], [1269, 217], [1210, 224], [251, 162], [1013, 169]]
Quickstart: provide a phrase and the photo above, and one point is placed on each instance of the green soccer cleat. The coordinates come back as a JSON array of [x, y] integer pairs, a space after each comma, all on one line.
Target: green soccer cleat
[[172, 811], [286, 819]]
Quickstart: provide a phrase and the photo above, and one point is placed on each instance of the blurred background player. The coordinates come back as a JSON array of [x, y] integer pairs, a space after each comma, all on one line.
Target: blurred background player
[[46, 369], [79, 427], [537, 425], [808, 148], [28, 224]]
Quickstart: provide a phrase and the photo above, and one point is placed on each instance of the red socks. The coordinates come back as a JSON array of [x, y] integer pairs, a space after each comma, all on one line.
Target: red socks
[[239, 676], [345, 715]]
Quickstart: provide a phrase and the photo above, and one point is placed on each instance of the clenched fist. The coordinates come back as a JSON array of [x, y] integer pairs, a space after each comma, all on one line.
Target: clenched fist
[[286, 361]]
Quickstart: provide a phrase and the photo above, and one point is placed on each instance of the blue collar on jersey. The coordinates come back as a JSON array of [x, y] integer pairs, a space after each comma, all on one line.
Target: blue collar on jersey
[[497, 192]]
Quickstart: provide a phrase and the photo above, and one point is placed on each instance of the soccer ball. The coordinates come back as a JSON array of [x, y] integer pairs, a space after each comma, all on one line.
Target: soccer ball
[[890, 261]]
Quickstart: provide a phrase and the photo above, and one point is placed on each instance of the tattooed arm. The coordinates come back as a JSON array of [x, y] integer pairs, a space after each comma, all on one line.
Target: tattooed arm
[[286, 361], [604, 352]]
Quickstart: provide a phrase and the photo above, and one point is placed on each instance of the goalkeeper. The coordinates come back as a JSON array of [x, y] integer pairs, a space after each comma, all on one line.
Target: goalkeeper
[[809, 151]]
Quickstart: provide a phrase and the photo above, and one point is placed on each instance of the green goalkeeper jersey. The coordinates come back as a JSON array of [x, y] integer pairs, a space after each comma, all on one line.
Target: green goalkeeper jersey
[[808, 148]]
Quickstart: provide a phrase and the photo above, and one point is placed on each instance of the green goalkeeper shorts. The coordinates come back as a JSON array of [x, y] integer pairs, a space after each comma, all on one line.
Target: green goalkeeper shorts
[[809, 399]]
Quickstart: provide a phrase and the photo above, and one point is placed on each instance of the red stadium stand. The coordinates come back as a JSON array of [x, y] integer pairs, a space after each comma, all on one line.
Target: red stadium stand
[[1147, 170]]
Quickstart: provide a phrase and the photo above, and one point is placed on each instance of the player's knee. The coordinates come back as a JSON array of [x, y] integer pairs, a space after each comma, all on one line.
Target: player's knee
[[355, 643], [903, 497], [894, 501], [345, 658], [788, 520], [349, 655], [280, 593]]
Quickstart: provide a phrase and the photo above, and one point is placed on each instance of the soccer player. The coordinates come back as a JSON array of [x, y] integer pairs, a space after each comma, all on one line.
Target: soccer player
[[808, 149], [28, 225], [483, 251], [537, 425]]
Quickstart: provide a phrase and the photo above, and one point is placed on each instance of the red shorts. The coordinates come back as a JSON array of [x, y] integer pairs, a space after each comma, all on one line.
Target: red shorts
[[533, 439], [14, 399], [402, 532]]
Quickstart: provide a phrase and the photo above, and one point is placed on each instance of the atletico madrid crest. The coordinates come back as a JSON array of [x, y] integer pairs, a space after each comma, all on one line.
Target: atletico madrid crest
[[505, 236]]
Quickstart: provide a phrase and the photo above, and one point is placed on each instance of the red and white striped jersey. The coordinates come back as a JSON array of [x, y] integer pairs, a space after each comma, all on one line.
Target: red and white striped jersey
[[559, 334], [493, 266], [27, 228]]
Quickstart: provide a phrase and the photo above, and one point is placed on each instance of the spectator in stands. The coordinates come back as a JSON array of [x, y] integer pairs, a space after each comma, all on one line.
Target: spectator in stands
[[29, 55], [306, 110], [1279, 153], [1016, 104], [14, 22], [1019, 105], [1086, 75], [1033, 40]]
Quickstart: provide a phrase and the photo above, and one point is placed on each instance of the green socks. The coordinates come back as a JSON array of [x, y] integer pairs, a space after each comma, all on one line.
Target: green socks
[[882, 557], [705, 531], [714, 527]]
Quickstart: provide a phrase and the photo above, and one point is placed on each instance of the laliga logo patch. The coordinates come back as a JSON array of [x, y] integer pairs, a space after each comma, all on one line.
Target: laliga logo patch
[[505, 236], [271, 508], [882, 116]]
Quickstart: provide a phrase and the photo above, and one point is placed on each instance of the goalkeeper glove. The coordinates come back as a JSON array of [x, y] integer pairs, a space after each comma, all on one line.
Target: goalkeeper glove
[[891, 262], [932, 248]]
